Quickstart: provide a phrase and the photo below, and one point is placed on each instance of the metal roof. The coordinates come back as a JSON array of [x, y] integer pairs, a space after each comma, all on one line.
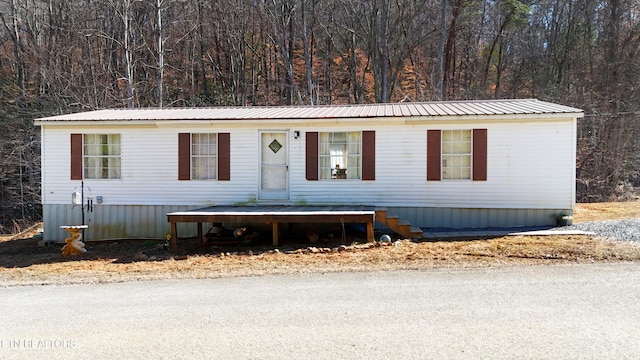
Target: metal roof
[[421, 109]]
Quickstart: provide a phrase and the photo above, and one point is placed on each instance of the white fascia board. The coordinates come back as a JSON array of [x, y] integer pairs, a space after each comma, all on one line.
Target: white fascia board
[[100, 123]]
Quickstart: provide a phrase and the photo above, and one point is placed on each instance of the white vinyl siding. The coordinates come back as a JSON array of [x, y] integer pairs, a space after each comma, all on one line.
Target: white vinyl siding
[[532, 166]]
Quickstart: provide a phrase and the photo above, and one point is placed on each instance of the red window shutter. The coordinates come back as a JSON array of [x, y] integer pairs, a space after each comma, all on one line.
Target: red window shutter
[[368, 155], [480, 154], [76, 156], [184, 156], [224, 156], [312, 156], [433, 155]]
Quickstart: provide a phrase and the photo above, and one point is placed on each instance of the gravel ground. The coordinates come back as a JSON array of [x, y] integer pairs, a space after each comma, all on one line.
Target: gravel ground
[[621, 230]]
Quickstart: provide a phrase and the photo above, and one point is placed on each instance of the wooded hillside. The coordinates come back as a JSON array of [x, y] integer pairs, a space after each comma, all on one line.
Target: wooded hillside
[[62, 56]]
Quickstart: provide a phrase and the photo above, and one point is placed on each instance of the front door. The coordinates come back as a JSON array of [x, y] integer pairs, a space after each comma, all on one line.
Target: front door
[[274, 165]]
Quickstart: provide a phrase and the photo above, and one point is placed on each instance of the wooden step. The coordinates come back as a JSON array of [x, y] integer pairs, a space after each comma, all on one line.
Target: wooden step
[[398, 226], [392, 222]]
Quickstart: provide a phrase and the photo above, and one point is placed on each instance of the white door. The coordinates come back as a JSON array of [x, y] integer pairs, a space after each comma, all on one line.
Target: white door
[[274, 165]]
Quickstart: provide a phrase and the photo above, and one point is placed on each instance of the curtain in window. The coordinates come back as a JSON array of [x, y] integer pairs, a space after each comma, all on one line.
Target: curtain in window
[[456, 154], [102, 156], [353, 155], [327, 155], [340, 155], [204, 156]]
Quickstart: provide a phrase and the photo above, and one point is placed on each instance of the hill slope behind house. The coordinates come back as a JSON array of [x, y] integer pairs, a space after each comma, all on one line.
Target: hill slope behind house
[[22, 262]]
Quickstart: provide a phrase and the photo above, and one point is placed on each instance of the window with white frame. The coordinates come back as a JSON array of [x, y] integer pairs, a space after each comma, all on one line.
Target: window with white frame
[[204, 156], [339, 155], [456, 154], [101, 156]]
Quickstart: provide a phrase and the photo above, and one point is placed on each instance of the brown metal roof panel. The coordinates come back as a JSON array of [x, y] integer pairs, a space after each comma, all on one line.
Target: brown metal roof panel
[[460, 110], [497, 108], [405, 109], [257, 113], [338, 111], [185, 114], [290, 113], [519, 108], [369, 111], [417, 110], [537, 107], [428, 110], [319, 112], [391, 110], [454, 108], [277, 113], [551, 107], [301, 112], [476, 109], [330, 112], [394, 110], [353, 111], [488, 108], [413, 110], [441, 109]]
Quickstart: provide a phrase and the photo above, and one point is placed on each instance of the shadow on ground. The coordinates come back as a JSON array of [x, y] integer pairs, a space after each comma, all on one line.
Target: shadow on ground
[[26, 252], [20, 253]]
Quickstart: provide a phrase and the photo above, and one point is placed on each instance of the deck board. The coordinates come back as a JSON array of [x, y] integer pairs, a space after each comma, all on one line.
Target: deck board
[[278, 210]]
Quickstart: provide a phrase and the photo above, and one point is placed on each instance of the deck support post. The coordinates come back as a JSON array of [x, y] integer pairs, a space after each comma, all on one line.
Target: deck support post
[[370, 232], [174, 236], [274, 226], [200, 235]]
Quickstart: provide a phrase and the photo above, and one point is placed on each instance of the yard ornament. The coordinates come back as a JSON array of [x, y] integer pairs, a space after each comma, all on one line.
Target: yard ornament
[[74, 245]]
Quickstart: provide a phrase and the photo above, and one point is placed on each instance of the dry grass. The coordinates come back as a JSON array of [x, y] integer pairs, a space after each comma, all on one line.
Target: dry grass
[[607, 211], [22, 262]]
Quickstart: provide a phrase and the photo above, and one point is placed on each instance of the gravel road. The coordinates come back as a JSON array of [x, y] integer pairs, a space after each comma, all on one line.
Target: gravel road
[[539, 312], [621, 230]]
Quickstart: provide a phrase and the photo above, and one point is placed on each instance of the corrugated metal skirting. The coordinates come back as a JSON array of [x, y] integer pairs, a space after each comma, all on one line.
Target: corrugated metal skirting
[[150, 221], [111, 221]]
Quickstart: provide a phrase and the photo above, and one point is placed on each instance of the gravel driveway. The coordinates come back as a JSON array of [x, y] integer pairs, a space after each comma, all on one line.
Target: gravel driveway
[[621, 230]]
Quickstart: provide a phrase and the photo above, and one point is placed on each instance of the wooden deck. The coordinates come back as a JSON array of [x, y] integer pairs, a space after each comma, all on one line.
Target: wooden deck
[[274, 215]]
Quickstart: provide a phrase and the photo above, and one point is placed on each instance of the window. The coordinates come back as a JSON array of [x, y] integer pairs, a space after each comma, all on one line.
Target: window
[[204, 156], [339, 155], [456, 154], [101, 156]]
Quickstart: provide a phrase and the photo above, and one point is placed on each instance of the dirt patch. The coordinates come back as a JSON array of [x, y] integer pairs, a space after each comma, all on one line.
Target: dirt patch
[[22, 262]]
